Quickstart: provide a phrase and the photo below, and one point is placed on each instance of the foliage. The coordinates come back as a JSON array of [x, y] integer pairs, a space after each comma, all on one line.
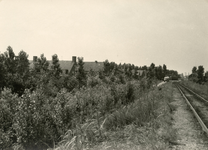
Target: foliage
[[108, 67], [41, 65], [164, 69], [41, 106], [34, 120], [2, 72], [81, 75], [194, 70], [9, 61], [159, 73], [38, 120], [55, 67], [14, 71], [8, 105], [202, 89], [136, 126], [198, 75], [206, 76], [193, 77], [23, 64], [93, 81], [70, 83]]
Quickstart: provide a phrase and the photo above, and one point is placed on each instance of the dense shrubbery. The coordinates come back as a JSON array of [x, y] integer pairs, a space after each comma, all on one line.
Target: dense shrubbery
[[108, 127], [37, 121], [39, 105]]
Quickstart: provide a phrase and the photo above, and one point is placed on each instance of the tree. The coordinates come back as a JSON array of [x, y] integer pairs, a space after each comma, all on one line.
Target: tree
[[55, 67], [81, 75], [106, 67], [39, 75], [135, 75], [194, 70], [206, 77], [2, 72], [22, 64], [128, 70], [144, 67], [21, 77], [10, 63], [152, 66], [159, 73], [14, 71], [109, 67], [151, 73], [174, 74], [164, 70], [200, 73], [41, 65], [194, 76]]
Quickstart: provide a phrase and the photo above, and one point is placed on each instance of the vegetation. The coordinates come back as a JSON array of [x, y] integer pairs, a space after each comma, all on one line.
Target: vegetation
[[198, 75], [142, 124], [201, 89], [198, 81], [42, 108]]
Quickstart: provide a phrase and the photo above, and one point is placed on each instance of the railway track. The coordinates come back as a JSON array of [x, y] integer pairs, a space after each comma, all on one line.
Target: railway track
[[197, 104]]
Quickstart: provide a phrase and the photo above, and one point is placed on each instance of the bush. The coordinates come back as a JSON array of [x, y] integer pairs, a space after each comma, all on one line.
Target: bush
[[38, 120], [8, 103], [93, 81], [34, 120]]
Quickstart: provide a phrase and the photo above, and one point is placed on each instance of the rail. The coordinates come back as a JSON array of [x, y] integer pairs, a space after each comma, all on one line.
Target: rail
[[195, 93], [204, 127]]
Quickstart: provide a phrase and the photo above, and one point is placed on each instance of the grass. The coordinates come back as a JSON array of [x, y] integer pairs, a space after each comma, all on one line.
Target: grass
[[144, 124], [201, 89]]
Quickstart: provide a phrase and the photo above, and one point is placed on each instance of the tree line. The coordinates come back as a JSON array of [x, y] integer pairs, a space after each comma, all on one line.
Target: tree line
[[131, 71], [17, 74], [198, 75]]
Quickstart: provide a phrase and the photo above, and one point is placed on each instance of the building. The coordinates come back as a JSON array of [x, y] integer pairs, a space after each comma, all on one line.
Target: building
[[70, 67]]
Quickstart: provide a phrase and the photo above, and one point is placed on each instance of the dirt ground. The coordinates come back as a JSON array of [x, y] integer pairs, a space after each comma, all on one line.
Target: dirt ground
[[189, 132]]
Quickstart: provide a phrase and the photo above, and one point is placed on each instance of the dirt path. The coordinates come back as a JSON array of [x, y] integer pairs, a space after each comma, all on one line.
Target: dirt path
[[189, 133]]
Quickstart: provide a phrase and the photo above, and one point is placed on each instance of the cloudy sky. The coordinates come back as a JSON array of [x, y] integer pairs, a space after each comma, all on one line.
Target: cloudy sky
[[139, 32]]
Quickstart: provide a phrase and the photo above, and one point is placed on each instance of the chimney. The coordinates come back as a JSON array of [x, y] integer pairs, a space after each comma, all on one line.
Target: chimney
[[35, 58], [74, 59]]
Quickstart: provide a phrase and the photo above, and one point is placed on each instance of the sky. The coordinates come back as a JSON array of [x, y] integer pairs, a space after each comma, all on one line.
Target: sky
[[139, 32]]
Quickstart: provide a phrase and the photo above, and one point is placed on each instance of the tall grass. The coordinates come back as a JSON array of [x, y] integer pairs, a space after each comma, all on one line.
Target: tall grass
[[38, 121], [132, 126], [202, 89], [103, 112]]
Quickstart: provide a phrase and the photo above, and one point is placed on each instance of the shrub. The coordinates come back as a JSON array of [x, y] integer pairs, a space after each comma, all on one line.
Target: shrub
[[8, 103], [39, 120], [93, 81], [122, 79], [34, 120]]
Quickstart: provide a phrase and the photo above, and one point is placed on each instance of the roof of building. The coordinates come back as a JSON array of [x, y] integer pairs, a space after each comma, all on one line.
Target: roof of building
[[67, 65], [95, 66], [64, 64]]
